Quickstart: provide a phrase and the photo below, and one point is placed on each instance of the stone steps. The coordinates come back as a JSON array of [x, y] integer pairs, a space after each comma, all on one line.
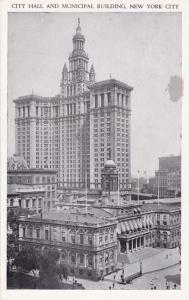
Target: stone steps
[[138, 255]]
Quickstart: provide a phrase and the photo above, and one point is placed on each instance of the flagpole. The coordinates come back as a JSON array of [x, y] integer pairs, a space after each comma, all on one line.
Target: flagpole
[[158, 188], [86, 192], [138, 188], [118, 188]]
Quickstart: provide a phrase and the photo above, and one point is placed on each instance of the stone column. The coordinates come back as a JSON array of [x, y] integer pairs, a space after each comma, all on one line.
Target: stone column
[[135, 243], [119, 247], [124, 101], [139, 242], [105, 99], [85, 260]]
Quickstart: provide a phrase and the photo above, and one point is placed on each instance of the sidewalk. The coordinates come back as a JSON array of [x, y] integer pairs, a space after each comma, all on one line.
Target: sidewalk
[[163, 259]]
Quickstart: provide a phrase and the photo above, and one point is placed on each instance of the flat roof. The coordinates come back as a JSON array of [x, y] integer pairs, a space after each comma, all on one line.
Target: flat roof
[[163, 200], [162, 206], [31, 97]]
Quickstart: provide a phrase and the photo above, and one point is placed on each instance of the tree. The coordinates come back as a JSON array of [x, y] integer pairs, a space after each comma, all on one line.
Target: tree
[[48, 268], [27, 260], [13, 215]]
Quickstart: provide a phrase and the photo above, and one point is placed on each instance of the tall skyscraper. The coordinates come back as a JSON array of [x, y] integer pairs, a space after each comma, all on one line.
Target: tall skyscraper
[[78, 130]]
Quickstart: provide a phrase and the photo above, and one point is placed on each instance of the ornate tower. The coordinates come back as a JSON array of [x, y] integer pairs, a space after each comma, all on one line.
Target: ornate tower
[[92, 74], [78, 75], [109, 183]]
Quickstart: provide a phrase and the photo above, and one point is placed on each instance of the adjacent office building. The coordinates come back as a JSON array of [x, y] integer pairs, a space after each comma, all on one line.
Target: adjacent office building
[[168, 177], [30, 187]]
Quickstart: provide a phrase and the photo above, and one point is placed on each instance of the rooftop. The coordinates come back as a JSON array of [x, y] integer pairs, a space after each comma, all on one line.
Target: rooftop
[[164, 200], [76, 216], [111, 81], [162, 206]]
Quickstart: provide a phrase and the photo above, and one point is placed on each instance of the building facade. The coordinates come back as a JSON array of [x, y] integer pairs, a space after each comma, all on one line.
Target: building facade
[[32, 198], [74, 131], [87, 243], [24, 180], [149, 226], [91, 242]]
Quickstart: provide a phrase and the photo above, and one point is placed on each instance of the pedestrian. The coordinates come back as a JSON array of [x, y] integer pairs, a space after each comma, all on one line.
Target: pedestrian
[[167, 285], [151, 284], [110, 287], [175, 286], [113, 285]]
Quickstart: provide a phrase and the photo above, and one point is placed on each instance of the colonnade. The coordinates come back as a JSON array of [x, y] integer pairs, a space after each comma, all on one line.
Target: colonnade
[[132, 244]]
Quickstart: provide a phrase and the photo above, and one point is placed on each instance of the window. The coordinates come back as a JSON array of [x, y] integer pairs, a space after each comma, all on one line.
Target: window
[[111, 235], [73, 239], [90, 241], [81, 238], [30, 231], [63, 236], [39, 203], [73, 259], [164, 219], [90, 261], [38, 233], [46, 234], [81, 259], [100, 240], [34, 203], [106, 237]]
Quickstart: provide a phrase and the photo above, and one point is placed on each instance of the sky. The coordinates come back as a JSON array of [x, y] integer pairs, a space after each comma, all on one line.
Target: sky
[[141, 49]]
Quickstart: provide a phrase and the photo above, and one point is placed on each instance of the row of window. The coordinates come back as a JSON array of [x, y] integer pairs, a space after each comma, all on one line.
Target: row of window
[[81, 239]]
